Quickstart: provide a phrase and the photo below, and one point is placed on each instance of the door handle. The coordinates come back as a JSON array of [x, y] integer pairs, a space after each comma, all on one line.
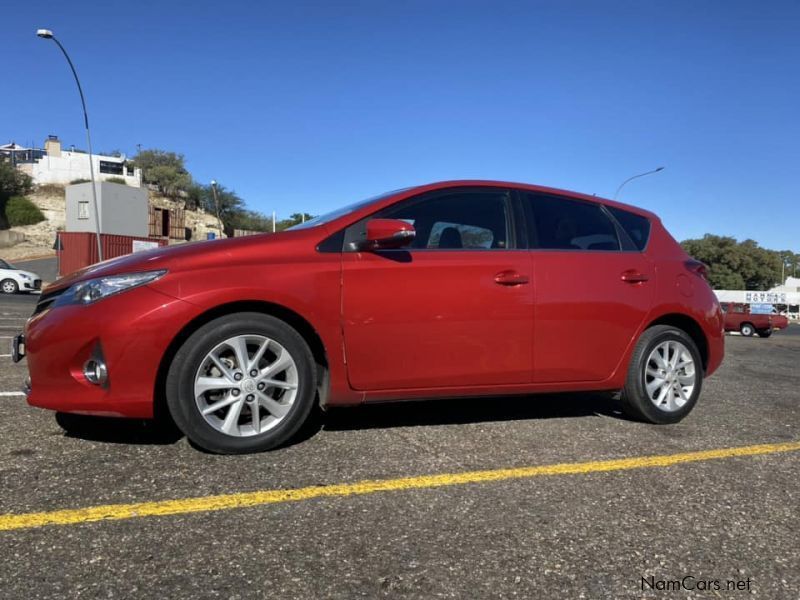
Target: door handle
[[634, 276], [510, 278]]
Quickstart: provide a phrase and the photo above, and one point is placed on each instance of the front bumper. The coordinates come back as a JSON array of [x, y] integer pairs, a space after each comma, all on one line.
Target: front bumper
[[131, 330], [31, 286]]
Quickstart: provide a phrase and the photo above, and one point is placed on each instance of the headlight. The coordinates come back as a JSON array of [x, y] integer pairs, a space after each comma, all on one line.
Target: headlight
[[25, 277], [93, 290]]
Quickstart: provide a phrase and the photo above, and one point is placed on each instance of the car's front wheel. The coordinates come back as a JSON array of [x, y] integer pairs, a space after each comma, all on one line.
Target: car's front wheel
[[9, 286], [665, 376], [241, 383], [747, 329], [764, 333]]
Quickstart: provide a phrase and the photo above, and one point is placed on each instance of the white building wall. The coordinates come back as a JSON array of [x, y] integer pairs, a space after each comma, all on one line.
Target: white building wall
[[124, 210], [75, 165], [792, 284]]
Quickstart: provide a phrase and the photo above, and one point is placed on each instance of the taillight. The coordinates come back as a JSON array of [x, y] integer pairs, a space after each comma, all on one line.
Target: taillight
[[697, 267]]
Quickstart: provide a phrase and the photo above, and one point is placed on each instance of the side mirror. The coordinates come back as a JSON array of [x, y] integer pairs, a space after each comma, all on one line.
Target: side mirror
[[385, 234]]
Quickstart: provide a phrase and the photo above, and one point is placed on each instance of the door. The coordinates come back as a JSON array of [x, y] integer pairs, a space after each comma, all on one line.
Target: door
[[593, 289], [453, 309]]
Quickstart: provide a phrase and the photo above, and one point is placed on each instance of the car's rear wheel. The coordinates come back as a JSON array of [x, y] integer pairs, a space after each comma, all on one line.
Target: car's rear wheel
[[241, 383], [747, 329], [9, 286], [764, 333], [665, 376]]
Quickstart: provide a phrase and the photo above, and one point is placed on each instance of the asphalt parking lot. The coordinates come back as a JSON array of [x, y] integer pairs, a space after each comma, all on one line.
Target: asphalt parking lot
[[586, 529]]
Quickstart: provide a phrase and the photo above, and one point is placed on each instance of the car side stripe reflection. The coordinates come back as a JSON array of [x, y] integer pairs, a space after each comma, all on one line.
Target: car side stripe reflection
[[115, 512]]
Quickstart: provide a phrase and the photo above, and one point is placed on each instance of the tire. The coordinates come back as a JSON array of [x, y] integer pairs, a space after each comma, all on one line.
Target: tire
[[747, 329], [764, 333], [267, 417], [9, 286], [642, 395]]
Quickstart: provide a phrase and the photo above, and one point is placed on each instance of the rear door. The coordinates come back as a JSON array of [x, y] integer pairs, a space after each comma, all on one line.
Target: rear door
[[593, 288], [454, 309]]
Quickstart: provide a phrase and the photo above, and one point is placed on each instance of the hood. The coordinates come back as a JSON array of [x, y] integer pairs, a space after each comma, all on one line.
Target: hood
[[188, 256]]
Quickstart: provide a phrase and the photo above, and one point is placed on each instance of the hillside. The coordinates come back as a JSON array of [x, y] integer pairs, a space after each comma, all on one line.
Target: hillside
[[39, 238]]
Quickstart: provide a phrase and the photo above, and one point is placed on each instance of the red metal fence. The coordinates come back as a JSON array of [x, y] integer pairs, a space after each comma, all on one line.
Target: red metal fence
[[77, 250]]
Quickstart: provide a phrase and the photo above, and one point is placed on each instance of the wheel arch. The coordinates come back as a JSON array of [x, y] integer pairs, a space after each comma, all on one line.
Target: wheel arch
[[288, 316], [690, 326]]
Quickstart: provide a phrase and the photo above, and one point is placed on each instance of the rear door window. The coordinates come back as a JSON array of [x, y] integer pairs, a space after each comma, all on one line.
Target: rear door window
[[636, 226], [565, 224]]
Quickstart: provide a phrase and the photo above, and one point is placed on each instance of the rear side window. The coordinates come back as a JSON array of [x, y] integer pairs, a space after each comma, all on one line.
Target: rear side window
[[636, 226], [564, 224]]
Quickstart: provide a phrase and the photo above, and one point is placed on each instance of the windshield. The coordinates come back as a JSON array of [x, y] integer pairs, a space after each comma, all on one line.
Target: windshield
[[5, 265], [340, 212]]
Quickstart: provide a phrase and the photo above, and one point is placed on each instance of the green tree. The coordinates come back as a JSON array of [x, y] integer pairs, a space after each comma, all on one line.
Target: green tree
[[791, 263], [227, 204], [736, 265], [251, 220], [195, 196], [165, 170], [294, 219], [12, 183]]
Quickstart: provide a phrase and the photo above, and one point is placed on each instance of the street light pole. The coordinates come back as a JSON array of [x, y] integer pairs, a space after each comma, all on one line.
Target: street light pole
[[48, 35], [216, 205], [622, 185]]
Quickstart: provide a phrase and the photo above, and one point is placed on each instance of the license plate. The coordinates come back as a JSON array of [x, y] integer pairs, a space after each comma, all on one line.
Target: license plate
[[18, 348]]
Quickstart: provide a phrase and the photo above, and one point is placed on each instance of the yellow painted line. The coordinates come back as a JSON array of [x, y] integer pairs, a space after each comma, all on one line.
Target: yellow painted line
[[116, 512]]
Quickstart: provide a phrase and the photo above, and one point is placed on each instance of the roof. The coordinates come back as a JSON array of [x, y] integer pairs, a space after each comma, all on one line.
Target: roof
[[13, 147]]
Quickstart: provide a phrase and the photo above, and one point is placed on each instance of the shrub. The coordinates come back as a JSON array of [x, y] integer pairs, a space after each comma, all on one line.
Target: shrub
[[74, 181], [21, 211], [52, 189], [116, 180]]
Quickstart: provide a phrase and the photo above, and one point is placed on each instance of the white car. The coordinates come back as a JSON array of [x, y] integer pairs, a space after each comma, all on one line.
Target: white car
[[13, 280]]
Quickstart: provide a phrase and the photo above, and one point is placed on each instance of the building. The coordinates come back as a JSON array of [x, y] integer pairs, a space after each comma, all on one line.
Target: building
[[123, 209], [53, 164], [792, 284], [785, 298]]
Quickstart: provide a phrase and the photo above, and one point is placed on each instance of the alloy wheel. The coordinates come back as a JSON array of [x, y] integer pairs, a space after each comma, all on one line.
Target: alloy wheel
[[670, 375], [246, 385]]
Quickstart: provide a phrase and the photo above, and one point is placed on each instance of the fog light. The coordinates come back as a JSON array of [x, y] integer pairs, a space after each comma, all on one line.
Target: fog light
[[95, 371]]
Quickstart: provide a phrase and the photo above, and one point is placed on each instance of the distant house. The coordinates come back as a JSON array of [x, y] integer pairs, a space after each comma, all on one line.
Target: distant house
[[52, 164], [792, 284]]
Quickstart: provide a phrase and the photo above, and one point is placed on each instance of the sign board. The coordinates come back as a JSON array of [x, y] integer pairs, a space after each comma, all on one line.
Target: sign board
[[761, 297], [761, 309], [140, 245], [750, 297]]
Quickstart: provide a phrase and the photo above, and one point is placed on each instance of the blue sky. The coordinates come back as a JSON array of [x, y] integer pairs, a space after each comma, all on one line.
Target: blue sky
[[308, 106]]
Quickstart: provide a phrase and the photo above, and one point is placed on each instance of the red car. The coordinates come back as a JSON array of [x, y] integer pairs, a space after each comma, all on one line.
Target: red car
[[464, 288], [737, 317]]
